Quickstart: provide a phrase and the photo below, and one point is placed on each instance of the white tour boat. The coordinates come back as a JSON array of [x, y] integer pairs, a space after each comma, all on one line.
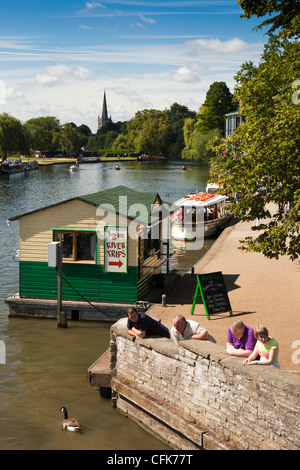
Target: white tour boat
[[207, 209]]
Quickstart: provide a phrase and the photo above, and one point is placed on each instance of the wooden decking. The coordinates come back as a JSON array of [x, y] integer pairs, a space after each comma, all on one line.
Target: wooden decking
[[99, 374]]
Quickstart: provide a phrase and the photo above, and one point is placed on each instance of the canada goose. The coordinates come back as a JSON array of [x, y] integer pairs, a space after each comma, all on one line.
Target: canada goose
[[71, 424]]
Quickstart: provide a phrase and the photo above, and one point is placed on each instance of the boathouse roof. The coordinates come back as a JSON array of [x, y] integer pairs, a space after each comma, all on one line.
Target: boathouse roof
[[111, 197]]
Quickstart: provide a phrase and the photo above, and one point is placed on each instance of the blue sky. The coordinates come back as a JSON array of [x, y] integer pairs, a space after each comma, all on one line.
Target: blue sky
[[58, 57]]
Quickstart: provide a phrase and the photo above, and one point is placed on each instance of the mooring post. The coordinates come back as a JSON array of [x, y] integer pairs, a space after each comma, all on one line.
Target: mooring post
[[62, 321]]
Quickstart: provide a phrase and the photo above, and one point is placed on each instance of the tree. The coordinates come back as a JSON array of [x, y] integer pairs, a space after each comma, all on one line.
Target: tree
[[149, 131], [69, 139], [218, 102], [14, 137], [285, 14], [177, 115], [42, 131], [261, 160]]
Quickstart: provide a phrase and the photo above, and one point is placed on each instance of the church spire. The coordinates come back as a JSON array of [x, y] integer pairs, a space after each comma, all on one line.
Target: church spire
[[104, 119]]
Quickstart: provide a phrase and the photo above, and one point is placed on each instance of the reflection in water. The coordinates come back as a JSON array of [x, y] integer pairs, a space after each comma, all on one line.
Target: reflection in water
[[45, 366]]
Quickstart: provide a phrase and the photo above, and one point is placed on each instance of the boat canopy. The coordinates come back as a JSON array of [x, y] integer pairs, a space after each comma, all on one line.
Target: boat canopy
[[200, 200]]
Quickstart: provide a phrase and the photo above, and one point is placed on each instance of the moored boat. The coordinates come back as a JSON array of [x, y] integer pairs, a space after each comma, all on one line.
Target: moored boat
[[197, 212], [31, 165], [9, 167]]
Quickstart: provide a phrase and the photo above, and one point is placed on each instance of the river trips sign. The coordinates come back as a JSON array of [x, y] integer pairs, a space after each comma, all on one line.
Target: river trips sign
[[213, 293], [115, 249]]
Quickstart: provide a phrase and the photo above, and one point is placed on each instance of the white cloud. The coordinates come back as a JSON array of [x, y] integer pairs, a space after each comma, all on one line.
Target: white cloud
[[84, 26], [84, 74], [57, 73], [45, 79], [92, 5], [215, 45], [187, 74], [148, 20]]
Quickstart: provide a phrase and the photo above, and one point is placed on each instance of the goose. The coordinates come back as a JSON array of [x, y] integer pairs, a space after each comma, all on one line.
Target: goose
[[71, 424]]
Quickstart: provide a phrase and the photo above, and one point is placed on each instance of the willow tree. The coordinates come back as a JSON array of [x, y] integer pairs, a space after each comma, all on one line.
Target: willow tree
[[261, 160], [14, 138]]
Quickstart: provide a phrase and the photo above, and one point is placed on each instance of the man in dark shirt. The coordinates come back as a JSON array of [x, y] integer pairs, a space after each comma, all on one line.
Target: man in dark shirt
[[141, 325]]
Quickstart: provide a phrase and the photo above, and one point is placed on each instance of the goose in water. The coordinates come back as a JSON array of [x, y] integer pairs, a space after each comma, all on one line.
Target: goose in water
[[71, 424]]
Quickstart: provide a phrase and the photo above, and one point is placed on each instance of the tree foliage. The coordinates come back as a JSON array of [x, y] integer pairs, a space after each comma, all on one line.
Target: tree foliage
[[14, 137], [68, 139], [284, 14], [149, 131], [218, 102], [209, 123], [42, 131], [261, 160]]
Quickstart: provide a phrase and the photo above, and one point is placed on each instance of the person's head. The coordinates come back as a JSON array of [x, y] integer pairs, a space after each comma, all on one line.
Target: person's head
[[261, 333], [132, 314], [238, 328], [179, 323]]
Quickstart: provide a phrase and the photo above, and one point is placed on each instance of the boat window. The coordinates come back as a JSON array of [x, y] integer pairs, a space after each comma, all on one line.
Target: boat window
[[77, 245]]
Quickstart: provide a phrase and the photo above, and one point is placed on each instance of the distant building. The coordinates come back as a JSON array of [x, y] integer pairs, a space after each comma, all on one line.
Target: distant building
[[232, 121], [104, 119]]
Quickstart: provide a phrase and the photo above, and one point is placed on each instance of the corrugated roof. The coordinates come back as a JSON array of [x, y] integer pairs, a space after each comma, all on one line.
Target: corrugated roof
[[120, 197]]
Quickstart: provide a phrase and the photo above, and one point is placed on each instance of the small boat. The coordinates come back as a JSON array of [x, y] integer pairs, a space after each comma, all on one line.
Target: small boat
[[73, 168], [196, 211], [9, 167], [31, 165]]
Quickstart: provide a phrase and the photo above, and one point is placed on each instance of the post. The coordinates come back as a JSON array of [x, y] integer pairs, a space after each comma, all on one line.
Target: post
[[61, 316]]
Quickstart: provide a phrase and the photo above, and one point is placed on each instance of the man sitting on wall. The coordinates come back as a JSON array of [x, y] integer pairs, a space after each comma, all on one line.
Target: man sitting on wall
[[187, 329], [141, 325]]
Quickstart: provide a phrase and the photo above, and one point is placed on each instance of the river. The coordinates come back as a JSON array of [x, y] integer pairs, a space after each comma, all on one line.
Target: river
[[46, 366]]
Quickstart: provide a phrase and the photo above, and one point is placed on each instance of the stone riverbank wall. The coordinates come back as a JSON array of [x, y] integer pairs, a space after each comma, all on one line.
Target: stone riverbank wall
[[195, 396]]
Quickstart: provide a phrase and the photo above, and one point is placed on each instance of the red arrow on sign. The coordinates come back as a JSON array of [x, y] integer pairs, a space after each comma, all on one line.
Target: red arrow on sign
[[115, 263]]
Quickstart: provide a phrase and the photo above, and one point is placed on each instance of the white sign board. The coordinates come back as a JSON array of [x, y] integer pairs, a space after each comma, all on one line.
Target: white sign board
[[115, 249]]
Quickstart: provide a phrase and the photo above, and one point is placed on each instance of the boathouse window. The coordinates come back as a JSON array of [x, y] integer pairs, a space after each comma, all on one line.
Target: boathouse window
[[77, 245]]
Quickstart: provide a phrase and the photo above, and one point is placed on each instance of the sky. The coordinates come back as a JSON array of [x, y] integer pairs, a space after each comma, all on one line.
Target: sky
[[58, 57]]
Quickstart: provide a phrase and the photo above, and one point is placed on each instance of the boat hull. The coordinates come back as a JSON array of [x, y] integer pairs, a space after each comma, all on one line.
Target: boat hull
[[186, 231]]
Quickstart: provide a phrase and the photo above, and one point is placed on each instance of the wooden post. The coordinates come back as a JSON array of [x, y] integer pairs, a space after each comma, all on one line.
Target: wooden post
[[61, 316]]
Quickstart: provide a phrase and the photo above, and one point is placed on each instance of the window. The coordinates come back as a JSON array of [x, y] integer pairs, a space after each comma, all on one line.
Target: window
[[77, 245]]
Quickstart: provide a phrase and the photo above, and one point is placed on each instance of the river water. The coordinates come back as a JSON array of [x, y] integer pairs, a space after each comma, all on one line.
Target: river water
[[45, 367]]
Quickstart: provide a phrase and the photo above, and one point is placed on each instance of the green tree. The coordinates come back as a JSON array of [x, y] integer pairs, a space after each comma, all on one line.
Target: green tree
[[149, 131], [42, 131], [218, 102], [284, 14], [177, 115], [69, 139], [261, 160], [14, 137]]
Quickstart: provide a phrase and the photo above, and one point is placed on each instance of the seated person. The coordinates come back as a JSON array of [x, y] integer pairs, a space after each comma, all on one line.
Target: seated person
[[141, 325], [240, 339], [187, 329], [266, 347]]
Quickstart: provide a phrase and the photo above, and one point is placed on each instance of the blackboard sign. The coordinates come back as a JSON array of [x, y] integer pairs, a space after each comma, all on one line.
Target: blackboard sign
[[213, 292]]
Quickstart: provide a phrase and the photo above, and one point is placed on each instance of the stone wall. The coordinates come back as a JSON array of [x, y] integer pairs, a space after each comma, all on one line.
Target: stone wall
[[196, 396]]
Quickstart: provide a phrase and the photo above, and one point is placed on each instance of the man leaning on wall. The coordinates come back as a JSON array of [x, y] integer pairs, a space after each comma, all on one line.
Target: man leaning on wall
[[187, 329]]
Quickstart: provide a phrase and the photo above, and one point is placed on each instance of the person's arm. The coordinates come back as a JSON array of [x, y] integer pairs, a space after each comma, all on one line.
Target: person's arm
[[230, 349], [203, 335], [135, 332], [251, 358], [264, 361]]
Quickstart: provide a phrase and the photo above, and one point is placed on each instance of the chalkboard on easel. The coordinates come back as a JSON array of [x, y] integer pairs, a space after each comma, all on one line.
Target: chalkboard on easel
[[213, 292]]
